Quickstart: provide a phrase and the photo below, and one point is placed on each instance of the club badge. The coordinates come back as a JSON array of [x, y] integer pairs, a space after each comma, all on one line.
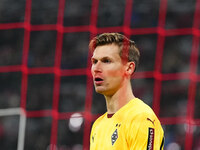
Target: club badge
[[114, 137]]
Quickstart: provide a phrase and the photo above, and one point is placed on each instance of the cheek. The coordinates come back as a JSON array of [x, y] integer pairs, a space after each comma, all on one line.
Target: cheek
[[92, 70], [115, 74], [114, 79], [115, 71]]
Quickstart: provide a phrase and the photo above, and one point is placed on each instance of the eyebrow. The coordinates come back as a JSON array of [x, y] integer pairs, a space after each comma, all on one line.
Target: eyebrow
[[105, 57]]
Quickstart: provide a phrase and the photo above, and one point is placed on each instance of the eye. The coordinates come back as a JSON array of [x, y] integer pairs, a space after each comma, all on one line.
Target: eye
[[106, 60], [94, 61]]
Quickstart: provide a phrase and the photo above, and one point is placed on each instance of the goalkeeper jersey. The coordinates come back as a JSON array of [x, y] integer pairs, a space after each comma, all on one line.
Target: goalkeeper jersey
[[132, 127]]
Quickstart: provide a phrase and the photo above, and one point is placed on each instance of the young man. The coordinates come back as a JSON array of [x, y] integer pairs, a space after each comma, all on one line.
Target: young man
[[128, 124]]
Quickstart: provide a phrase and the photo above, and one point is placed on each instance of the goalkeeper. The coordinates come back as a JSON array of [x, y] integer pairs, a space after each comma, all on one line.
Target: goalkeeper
[[128, 124]]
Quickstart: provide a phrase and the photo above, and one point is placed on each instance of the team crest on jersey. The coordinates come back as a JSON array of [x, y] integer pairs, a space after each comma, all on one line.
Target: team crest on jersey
[[114, 137]]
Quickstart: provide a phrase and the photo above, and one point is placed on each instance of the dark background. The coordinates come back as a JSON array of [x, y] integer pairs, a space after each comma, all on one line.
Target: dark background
[[47, 100]]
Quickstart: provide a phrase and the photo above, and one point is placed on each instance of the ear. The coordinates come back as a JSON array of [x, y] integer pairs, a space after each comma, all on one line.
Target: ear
[[130, 67]]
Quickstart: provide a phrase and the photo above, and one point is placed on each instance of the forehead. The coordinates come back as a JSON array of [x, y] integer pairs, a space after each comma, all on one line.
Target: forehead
[[110, 50]]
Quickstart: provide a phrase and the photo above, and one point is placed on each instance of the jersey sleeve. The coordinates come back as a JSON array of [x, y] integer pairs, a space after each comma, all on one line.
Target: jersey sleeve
[[145, 133]]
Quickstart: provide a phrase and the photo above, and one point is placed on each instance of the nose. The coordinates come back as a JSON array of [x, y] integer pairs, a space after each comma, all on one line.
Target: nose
[[96, 67]]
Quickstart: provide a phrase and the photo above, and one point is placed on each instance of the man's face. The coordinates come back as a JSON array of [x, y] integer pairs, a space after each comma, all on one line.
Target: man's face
[[107, 69]]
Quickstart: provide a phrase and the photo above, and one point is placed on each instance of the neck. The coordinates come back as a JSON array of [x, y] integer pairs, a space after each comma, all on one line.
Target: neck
[[120, 98]]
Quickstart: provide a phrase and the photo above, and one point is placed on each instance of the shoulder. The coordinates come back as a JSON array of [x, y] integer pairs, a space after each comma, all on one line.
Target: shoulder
[[142, 124], [137, 108], [139, 112], [99, 120]]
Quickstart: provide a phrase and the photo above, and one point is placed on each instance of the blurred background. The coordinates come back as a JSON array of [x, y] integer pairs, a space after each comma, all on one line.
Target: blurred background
[[47, 99]]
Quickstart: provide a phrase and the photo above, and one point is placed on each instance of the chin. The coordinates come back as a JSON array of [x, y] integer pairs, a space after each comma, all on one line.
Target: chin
[[103, 91], [99, 90]]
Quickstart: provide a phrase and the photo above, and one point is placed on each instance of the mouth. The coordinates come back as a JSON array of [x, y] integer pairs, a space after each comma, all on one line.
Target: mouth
[[98, 81]]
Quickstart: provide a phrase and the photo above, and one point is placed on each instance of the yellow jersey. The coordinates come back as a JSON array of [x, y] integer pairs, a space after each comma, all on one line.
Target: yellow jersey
[[133, 127]]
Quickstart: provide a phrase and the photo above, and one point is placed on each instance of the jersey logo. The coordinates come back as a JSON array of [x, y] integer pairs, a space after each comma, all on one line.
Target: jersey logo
[[114, 137], [151, 120], [150, 142]]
